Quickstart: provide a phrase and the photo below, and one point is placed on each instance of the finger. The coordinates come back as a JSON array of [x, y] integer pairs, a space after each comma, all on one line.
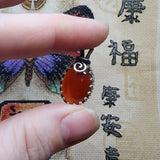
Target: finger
[[8, 3], [41, 132], [35, 35]]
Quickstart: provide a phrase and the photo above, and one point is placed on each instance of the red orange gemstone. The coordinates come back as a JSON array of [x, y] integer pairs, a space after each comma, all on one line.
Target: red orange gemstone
[[76, 85]]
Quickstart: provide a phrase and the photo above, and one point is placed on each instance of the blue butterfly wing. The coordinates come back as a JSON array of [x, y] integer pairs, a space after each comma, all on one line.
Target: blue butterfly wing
[[9, 71], [50, 69]]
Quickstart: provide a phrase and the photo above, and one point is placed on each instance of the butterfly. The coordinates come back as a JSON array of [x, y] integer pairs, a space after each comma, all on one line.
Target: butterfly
[[49, 68]]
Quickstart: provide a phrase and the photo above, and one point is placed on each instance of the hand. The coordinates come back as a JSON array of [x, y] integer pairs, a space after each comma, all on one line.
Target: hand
[[39, 133]]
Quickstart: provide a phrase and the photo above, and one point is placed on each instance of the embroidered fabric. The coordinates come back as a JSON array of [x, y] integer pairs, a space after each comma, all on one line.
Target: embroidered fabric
[[138, 103]]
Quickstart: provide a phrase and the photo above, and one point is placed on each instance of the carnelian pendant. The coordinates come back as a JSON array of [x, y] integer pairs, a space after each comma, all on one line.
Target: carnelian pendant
[[77, 82]]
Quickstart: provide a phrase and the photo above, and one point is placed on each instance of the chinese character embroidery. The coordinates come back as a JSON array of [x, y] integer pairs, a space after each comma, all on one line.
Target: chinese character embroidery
[[132, 7], [111, 153], [114, 52], [128, 57], [109, 127], [110, 95]]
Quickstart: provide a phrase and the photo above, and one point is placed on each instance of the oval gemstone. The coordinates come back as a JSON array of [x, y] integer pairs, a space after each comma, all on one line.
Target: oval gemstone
[[76, 85]]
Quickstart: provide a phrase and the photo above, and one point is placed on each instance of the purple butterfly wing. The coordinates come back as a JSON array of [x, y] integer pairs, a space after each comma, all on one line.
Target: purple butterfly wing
[[50, 69], [9, 71]]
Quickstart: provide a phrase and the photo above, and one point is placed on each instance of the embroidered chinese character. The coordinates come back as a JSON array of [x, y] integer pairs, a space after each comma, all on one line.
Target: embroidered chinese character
[[114, 52], [131, 7], [111, 153], [129, 57], [109, 127], [110, 95]]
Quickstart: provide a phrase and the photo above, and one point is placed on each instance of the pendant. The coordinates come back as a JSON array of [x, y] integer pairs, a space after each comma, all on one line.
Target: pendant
[[77, 81]]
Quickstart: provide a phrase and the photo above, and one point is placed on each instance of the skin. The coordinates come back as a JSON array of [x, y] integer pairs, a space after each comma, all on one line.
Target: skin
[[38, 133]]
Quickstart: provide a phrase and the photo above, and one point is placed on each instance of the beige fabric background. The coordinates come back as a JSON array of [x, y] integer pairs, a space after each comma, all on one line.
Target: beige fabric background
[[139, 86]]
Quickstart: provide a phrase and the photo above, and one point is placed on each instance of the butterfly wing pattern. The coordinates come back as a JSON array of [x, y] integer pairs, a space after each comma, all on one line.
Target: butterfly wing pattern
[[9, 71], [80, 11], [49, 68]]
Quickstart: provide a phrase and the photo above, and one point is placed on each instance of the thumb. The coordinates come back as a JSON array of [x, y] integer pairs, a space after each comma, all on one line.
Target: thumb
[[40, 132]]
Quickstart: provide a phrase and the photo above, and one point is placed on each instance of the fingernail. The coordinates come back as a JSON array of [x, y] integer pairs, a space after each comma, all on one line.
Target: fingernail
[[79, 125]]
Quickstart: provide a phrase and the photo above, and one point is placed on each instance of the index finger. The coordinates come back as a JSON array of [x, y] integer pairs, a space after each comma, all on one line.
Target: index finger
[[32, 35]]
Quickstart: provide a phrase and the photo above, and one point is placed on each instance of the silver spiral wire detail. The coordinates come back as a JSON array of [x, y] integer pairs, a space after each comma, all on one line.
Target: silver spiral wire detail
[[80, 67]]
